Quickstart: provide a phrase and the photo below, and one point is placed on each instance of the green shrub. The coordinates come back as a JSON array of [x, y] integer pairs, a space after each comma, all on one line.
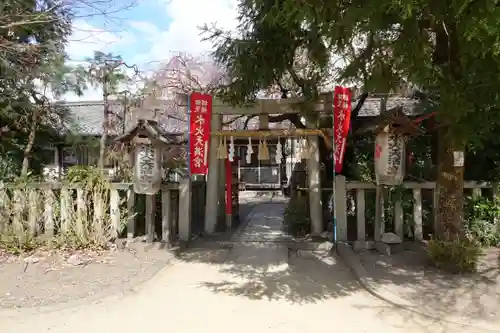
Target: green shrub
[[296, 220], [456, 256], [480, 214], [22, 209]]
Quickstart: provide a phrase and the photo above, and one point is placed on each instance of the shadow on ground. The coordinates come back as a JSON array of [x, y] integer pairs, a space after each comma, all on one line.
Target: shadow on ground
[[408, 275], [308, 277], [312, 277]]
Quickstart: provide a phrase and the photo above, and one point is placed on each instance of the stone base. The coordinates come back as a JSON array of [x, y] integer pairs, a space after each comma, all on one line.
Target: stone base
[[388, 249], [383, 248], [363, 245]]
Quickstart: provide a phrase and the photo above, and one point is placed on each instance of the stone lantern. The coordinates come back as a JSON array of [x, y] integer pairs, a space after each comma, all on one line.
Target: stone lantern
[[147, 142], [392, 130]]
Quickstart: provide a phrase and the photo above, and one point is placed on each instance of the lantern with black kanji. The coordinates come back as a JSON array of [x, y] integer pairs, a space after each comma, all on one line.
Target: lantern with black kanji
[[147, 143], [392, 130]]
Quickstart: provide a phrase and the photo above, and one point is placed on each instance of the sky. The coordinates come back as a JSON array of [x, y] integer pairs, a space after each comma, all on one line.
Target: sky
[[149, 32]]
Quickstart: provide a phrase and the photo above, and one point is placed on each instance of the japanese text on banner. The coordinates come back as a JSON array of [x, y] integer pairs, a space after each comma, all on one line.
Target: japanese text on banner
[[200, 106], [341, 122]]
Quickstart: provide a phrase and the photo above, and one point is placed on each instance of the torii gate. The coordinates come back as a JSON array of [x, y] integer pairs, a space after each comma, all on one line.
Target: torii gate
[[263, 108]]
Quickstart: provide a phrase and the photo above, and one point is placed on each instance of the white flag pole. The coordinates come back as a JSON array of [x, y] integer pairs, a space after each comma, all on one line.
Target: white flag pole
[[334, 206]]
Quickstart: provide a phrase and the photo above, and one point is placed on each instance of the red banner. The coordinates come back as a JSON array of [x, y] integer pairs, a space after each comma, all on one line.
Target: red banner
[[200, 108], [341, 122]]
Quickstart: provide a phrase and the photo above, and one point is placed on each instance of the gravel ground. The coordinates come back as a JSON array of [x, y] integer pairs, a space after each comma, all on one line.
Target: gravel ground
[[46, 278]]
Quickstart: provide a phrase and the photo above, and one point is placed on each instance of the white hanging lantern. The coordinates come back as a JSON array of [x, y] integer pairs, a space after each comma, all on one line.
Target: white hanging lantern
[[389, 158], [147, 142]]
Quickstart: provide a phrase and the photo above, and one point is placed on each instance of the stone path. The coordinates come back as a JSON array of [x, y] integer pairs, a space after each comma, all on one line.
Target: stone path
[[254, 287]]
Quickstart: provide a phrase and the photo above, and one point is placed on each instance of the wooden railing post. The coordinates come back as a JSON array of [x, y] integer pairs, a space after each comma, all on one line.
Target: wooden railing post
[[4, 213], [166, 215], [65, 209], [130, 214], [360, 214], [398, 218], [98, 220], [495, 193], [49, 213], [81, 213], [33, 212], [150, 217], [417, 214], [17, 223], [114, 209], [379, 214], [341, 208], [185, 209]]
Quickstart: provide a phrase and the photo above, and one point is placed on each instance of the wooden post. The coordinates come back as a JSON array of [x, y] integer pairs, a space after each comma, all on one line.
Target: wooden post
[[33, 212], [114, 208], [81, 213], [495, 194], [150, 217], [263, 121], [379, 214], [19, 202], [65, 209], [185, 209], [360, 214], [398, 219], [166, 215], [98, 220], [49, 213], [4, 204], [130, 214], [435, 195], [417, 214], [314, 180], [341, 208], [221, 192], [212, 202]]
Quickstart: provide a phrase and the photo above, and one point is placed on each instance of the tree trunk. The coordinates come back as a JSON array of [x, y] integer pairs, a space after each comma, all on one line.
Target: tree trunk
[[29, 144], [449, 186], [105, 125]]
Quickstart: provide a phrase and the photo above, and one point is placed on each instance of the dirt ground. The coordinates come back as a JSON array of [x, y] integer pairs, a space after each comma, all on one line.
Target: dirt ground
[[408, 275], [46, 278]]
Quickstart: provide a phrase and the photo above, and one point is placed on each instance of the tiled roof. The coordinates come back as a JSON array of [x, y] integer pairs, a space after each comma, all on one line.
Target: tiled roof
[[86, 117], [371, 107]]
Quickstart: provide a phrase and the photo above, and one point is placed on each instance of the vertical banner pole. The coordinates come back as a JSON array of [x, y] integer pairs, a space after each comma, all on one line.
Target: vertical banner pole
[[341, 123], [334, 203], [189, 136]]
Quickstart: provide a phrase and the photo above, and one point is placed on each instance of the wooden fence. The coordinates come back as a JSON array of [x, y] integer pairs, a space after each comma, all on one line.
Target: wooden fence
[[48, 209], [356, 191]]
